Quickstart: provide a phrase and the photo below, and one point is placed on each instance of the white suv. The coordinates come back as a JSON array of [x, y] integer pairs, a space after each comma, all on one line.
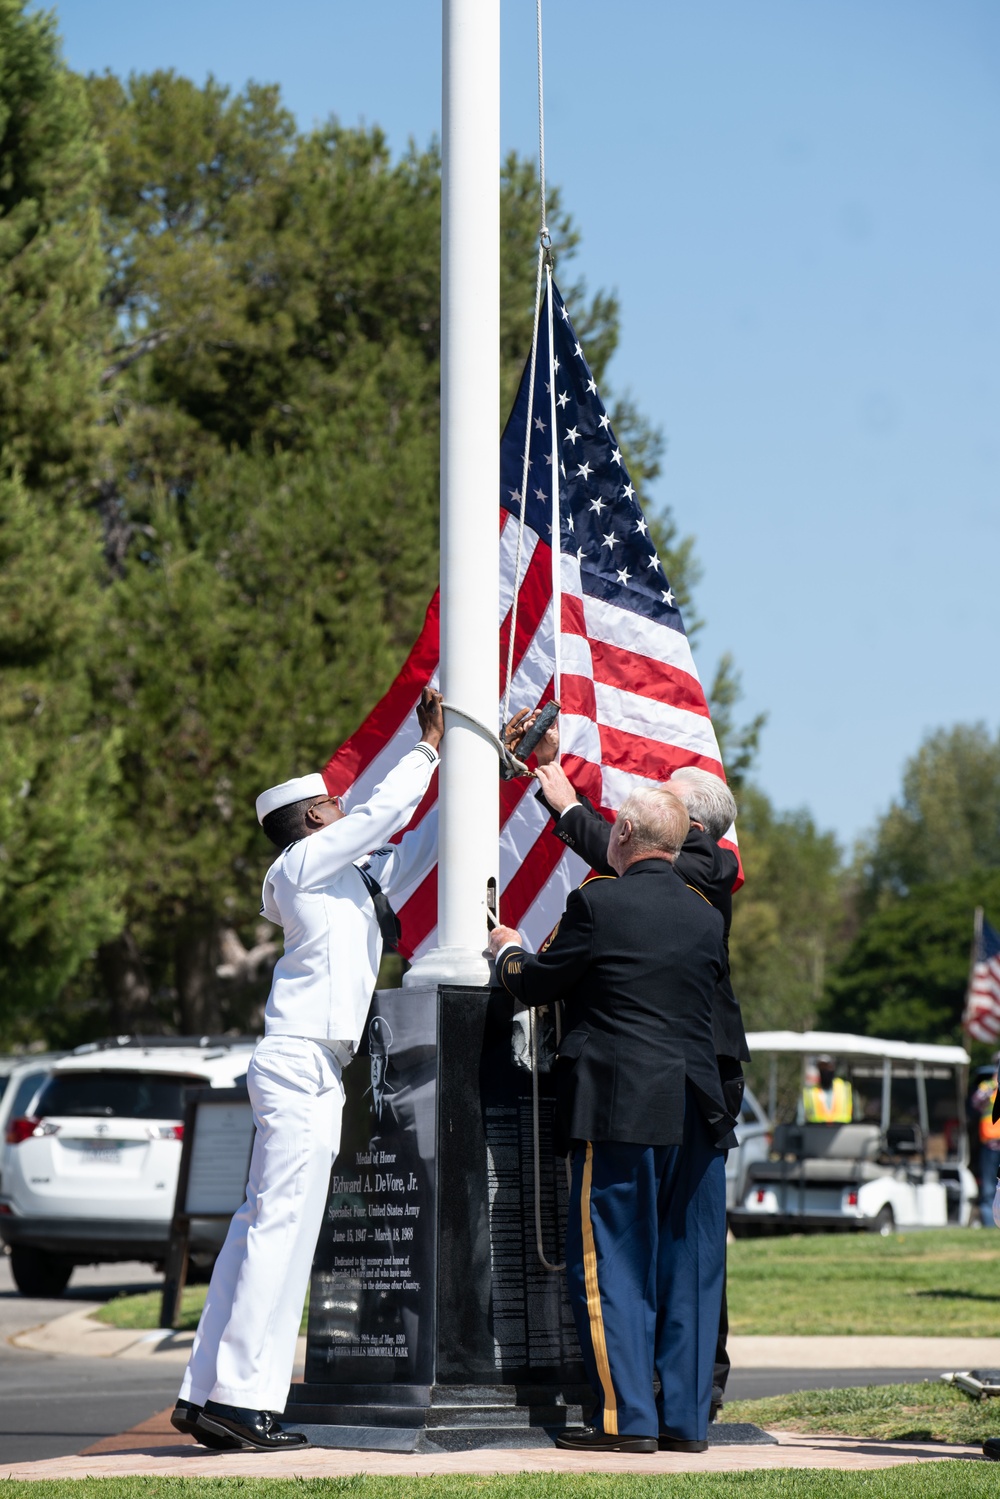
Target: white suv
[[90, 1173]]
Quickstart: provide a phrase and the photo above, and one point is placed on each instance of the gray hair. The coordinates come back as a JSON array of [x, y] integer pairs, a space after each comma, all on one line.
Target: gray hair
[[660, 820], [707, 798]]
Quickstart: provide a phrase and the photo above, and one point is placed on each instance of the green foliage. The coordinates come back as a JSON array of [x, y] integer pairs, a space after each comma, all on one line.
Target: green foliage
[[929, 862], [58, 765], [51, 268], [248, 641], [58, 762], [786, 920], [906, 971], [947, 821]]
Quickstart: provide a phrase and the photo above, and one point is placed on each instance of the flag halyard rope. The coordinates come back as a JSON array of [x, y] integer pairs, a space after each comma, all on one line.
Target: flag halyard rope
[[544, 267]]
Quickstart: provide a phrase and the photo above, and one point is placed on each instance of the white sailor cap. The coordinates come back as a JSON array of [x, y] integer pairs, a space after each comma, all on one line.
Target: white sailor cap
[[295, 790]]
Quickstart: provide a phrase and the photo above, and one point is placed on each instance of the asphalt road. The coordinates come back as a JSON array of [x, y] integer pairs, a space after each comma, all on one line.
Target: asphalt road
[[52, 1407]]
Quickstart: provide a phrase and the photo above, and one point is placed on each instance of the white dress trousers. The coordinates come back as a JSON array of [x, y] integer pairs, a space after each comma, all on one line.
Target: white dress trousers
[[244, 1350]]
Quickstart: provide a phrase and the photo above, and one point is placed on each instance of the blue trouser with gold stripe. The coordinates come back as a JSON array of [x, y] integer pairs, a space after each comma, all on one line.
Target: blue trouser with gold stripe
[[645, 1255]]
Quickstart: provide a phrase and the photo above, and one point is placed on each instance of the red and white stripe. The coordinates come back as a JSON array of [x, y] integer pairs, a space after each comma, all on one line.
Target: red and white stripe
[[633, 712], [982, 1004]]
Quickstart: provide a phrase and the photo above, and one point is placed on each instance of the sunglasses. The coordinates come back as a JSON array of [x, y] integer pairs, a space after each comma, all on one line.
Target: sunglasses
[[337, 801]]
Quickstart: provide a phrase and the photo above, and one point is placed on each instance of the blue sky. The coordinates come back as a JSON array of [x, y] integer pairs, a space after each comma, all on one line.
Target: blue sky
[[797, 203]]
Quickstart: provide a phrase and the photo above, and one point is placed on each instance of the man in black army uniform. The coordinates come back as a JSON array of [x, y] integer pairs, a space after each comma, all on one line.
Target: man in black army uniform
[[640, 1104], [701, 863]]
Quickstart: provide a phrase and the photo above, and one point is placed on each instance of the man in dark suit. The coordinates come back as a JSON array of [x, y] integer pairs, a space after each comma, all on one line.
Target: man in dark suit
[[701, 863], [640, 1106], [709, 869]]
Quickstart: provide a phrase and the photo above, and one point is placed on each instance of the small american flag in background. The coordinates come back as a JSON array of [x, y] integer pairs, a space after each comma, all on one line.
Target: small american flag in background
[[982, 1004], [633, 709]]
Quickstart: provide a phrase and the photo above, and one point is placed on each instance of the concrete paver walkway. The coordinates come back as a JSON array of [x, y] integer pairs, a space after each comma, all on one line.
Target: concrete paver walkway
[[79, 1335], [187, 1460]]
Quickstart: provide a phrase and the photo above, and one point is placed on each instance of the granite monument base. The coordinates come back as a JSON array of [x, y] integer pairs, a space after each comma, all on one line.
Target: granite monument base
[[433, 1325]]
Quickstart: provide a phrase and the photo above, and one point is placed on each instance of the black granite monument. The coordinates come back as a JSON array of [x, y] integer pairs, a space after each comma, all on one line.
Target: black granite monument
[[433, 1324]]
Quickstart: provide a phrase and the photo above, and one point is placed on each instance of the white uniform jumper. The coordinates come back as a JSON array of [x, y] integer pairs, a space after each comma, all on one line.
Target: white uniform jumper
[[244, 1349]]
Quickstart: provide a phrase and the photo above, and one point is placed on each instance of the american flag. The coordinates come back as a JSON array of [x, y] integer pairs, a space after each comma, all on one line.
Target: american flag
[[633, 708], [982, 1003]]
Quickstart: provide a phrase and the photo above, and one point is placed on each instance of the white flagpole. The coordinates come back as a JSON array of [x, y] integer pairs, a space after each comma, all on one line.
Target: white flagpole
[[470, 487]]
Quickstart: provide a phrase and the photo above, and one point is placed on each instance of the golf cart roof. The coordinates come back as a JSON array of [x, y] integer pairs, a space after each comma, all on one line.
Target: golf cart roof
[[816, 1043]]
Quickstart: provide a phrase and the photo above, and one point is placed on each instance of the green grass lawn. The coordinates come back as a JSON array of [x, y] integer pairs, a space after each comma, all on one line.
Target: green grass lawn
[[945, 1480], [143, 1311], [893, 1412], [934, 1283]]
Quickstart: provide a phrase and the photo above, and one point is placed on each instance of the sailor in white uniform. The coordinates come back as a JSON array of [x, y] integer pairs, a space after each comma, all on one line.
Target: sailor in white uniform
[[327, 890]]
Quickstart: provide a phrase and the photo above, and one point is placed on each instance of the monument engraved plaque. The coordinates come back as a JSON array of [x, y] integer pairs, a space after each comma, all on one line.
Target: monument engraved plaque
[[432, 1322]]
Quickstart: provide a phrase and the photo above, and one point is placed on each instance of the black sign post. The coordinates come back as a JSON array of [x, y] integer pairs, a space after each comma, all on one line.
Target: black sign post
[[433, 1324], [211, 1182]]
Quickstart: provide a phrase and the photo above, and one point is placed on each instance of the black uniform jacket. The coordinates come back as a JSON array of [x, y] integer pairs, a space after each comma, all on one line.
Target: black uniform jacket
[[710, 869], [636, 961]]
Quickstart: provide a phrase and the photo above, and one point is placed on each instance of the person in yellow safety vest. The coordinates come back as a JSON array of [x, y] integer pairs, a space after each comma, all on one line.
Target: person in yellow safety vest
[[981, 1107], [831, 1100]]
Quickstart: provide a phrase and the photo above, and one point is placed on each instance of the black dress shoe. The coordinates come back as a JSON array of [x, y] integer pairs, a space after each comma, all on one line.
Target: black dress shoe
[[586, 1439], [184, 1417], [679, 1444], [250, 1428], [991, 1449]]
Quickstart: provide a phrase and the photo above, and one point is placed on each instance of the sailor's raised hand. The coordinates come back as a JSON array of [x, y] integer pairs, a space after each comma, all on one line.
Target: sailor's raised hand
[[430, 717], [515, 730], [547, 748]]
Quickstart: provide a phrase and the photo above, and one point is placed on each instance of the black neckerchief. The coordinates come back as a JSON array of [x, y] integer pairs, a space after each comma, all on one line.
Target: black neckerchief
[[388, 921]]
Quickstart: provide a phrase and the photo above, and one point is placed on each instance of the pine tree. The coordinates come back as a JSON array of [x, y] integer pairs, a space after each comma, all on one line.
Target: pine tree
[[51, 263], [58, 766]]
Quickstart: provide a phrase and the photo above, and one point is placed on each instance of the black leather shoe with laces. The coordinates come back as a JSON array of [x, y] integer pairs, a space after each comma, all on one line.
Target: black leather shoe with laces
[[257, 1429], [184, 1418], [586, 1439]]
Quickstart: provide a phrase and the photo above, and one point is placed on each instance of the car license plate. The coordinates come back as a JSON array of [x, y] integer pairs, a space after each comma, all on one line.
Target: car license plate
[[101, 1153]]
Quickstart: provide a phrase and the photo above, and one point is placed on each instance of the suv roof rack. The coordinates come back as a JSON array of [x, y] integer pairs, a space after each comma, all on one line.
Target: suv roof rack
[[199, 1043]]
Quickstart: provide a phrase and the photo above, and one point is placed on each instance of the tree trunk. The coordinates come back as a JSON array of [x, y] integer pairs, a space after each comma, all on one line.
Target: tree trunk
[[196, 956], [130, 1000]]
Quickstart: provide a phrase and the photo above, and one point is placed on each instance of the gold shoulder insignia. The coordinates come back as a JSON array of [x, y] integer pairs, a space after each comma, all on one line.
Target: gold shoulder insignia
[[588, 881], [699, 892]]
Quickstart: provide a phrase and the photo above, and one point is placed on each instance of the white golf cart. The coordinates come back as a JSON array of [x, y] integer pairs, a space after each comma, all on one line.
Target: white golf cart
[[901, 1161]]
